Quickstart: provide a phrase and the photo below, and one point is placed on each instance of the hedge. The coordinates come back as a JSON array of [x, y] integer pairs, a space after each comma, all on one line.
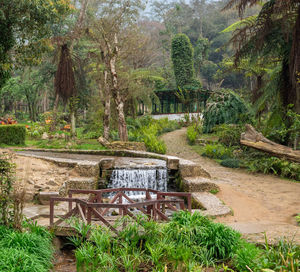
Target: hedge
[[12, 134]]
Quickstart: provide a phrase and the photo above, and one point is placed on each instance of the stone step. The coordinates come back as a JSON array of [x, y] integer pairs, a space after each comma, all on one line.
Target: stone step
[[78, 183], [44, 197], [199, 184], [213, 205]]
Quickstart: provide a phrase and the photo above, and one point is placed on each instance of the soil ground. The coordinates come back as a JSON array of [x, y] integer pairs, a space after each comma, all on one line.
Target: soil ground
[[260, 203]]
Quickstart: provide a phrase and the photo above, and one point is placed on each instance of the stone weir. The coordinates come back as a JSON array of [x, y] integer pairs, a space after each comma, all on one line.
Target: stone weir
[[107, 168]]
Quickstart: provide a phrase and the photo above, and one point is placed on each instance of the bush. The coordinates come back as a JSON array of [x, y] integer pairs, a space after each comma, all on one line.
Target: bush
[[229, 135], [12, 134], [147, 130], [274, 165], [217, 151], [186, 243], [224, 107], [191, 134], [25, 252], [231, 163]]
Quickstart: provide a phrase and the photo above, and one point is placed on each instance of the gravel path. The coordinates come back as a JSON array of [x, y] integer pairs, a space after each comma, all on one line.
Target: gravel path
[[259, 202]]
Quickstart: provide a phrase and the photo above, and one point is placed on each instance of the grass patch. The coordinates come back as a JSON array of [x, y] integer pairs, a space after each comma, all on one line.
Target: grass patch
[[84, 144], [28, 251]]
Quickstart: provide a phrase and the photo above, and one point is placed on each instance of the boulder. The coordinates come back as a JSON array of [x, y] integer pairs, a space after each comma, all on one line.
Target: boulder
[[45, 136]]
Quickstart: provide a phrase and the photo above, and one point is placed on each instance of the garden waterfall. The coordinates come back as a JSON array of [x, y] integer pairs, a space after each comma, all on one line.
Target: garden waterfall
[[156, 179]]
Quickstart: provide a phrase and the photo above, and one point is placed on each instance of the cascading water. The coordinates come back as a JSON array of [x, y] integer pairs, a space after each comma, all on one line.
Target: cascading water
[[156, 179]]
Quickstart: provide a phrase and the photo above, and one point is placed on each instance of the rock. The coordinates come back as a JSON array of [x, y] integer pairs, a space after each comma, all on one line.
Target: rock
[[29, 181], [103, 141], [212, 205], [118, 145], [44, 197], [192, 170], [36, 186], [173, 164], [198, 184], [78, 183], [107, 164], [51, 182], [45, 136]]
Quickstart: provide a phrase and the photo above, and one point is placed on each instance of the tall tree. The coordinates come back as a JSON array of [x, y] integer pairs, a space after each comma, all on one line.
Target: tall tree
[[25, 26], [183, 60], [274, 35], [111, 19]]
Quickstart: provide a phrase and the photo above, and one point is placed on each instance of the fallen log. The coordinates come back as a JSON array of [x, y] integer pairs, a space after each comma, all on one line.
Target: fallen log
[[254, 139]]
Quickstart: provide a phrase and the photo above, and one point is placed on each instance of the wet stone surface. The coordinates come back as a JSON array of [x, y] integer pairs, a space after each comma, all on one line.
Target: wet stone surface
[[120, 162]]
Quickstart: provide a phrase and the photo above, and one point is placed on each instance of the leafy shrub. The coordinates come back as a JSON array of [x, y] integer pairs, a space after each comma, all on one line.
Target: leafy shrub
[[12, 134], [274, 165], [224, 107], [192, 134], [247, 255], [229, 135], [184, 244], [147, 130], [153, 144], [217, 151], [231, 163], [25, 252]]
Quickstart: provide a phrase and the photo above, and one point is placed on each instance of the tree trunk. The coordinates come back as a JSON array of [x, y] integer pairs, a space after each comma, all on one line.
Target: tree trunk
[[122, 127], [294, 71], [54, 116], [254, 139], [106, 117], [73, 124]]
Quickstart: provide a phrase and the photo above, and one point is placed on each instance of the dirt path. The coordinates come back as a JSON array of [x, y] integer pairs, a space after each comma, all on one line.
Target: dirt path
[[259, 202]]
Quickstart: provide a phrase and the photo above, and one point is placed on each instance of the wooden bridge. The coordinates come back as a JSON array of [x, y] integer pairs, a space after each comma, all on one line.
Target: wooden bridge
[[92, 207]]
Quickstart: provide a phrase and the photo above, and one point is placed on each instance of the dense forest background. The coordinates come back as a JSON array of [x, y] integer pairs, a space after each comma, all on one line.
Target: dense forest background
[[96, 61]]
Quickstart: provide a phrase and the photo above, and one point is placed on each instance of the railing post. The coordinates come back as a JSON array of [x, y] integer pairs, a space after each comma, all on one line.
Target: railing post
[[153, 212], [189, 202], [120, 209], [51, 212], [89, 215], [70, 202]]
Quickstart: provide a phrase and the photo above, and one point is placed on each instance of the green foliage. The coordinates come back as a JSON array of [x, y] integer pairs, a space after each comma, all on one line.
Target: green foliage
[[298, 218], [201, 52], [224, 106], [229, 135], [191, 134], [7, 179], [147, 130], [182, 57], [12, 134], [25, 252], [231, 163], [276, 166], [27, 25], [186, 243], [246, 255], [217, 151]]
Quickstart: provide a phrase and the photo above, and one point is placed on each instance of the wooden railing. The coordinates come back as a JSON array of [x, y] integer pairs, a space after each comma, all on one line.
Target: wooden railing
[[93, 208]]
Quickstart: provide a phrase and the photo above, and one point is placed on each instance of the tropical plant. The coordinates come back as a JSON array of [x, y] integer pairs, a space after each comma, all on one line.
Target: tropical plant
[[224, 107], [264, 37]]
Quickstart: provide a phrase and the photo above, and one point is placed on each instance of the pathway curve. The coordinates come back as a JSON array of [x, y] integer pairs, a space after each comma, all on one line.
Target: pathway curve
[[259, 202]]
